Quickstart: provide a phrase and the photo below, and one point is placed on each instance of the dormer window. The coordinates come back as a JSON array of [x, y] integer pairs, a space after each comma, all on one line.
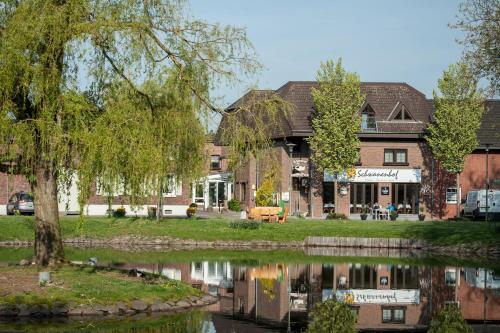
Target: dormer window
[[401, 113], [368, 122]]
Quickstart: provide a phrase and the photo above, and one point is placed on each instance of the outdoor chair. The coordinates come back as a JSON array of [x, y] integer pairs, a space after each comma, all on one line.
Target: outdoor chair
[[282, 219]]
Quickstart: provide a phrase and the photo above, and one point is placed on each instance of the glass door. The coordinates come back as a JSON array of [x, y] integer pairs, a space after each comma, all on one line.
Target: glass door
[[363, 195], [405, 197], [212, 194], [221, 193]]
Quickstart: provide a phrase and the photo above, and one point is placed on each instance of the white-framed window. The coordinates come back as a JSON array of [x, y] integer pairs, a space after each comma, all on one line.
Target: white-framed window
[[173, 187], [451, 195], [117, 188]]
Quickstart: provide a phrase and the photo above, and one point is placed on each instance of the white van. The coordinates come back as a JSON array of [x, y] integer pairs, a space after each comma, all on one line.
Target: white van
[[475, 204]]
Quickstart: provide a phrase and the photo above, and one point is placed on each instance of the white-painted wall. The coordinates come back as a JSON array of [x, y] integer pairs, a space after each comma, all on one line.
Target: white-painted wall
[[101, 210], [3, 209]]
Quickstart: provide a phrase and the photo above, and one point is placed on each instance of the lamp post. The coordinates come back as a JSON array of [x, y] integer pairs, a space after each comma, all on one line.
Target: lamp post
[[487, 145], [290, 150]]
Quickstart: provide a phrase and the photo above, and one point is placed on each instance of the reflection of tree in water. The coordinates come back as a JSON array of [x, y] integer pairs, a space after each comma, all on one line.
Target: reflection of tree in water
[[183, 322], [268, 288]]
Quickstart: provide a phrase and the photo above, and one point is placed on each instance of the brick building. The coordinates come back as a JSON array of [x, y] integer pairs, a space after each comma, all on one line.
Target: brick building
[[209, 192], [396, 165]]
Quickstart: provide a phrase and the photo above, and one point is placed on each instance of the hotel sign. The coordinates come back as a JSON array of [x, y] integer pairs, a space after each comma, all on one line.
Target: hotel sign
[[378, 296], [375, 175]]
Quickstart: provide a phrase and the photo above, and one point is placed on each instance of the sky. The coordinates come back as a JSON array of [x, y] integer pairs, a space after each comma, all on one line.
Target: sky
[[381, 40]]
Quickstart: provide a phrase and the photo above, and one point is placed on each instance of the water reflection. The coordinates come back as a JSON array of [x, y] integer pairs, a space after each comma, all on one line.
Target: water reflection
[[384, 296], [274, 296]]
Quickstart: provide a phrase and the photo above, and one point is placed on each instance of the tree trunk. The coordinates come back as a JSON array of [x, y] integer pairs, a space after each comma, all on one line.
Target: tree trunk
[[459, 197], [159, 206], [48, 241]]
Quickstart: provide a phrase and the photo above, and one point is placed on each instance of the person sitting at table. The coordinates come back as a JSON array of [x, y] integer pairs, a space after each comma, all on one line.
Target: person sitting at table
[[390, 207], [376, 210]]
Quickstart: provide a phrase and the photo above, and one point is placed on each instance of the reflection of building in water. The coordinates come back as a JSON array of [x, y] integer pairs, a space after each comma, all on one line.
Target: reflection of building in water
[[385, 297], [262, 293], [467, 287], [213, 275]]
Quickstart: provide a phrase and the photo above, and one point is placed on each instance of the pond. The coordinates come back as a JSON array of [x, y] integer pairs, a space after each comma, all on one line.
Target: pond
[[273, 291]]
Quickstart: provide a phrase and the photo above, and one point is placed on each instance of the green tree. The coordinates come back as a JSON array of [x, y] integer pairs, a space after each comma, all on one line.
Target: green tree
[[459, 109], [264, 194], [449, 320], [86, 85], [336, 121], [480, 21], [332, 316]]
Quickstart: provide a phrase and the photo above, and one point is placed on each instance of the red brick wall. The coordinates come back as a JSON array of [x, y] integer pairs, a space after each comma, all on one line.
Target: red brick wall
[[472, 177], [9, 184], [372, 156]]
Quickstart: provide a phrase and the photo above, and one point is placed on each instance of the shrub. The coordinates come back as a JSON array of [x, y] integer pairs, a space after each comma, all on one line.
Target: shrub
[[335, 216], [449, 320], [332, 316], [234, 205], [119, 212], [264, 195], [241, 224]]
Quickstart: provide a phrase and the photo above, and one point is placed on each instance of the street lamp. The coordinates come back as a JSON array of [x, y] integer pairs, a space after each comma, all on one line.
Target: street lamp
[[487, 145], [290, 150]]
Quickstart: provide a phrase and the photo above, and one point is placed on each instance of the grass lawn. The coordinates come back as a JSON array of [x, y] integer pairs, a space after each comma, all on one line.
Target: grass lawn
[[442, 232], [84, 285]]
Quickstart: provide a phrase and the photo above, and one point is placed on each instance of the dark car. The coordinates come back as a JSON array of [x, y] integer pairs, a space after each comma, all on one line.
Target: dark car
[[20, 202]]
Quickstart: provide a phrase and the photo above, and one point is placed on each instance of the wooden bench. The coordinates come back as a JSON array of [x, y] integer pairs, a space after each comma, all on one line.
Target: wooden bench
[[270, 214]]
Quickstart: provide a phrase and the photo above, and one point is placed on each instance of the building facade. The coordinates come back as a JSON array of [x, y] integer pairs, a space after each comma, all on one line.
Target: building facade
[[211, 192], [396, 165]]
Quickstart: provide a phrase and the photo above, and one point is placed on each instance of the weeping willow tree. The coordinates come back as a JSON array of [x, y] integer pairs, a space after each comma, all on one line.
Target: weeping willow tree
[[114, 91]]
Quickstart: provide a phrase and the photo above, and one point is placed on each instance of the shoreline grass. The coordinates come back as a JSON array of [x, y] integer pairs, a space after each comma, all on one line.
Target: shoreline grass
[[88, 285], [435, 232]]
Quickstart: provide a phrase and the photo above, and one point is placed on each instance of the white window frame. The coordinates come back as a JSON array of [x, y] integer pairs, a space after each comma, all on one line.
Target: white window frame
[[450, 189], [174, 187]]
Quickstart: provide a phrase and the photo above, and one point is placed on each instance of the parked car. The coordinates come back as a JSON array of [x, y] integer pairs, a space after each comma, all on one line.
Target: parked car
[[475, 204], [20, 202]]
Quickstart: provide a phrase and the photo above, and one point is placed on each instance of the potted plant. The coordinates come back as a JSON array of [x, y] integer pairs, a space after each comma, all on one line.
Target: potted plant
[[421, 216], [393, 215], [364, 214], [151, 212], [119, 212], [191, 211]]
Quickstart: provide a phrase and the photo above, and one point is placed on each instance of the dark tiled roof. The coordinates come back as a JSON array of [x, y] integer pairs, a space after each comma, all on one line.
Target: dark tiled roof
[[385, 98], [490, 126]]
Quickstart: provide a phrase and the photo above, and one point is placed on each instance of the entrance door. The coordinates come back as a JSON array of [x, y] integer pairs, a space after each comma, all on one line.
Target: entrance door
[[221, 193], [212, 194]]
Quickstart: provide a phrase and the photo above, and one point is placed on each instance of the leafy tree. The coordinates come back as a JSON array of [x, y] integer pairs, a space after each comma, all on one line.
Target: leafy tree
[[449, 320], [336, 122], [459, 109], [332, 316], [264, 195], [113, 91], [480, 20]]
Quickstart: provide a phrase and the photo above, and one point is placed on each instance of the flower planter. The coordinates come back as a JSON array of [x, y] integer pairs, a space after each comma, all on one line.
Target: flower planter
[[421, 217], [191, 211], [363, 217]]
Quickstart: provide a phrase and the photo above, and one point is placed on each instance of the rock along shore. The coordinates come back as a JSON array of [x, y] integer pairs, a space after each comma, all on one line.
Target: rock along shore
[[130, 241], [59, 309]]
